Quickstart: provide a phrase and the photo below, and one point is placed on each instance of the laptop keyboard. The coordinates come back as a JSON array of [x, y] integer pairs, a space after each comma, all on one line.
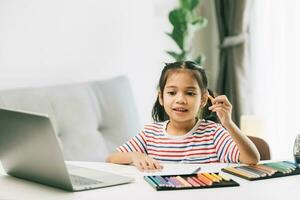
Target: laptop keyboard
[[81, 181]]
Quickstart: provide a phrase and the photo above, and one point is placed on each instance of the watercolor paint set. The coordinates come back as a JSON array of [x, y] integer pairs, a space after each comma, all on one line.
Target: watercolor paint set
[[264, 171], [190, 181]]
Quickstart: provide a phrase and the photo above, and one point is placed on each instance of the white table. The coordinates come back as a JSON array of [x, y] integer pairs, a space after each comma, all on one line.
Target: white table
[[13, 188]]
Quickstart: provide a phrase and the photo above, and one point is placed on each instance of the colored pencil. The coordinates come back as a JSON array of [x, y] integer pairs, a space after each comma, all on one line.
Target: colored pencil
[[253, 175], [196, 170], [216, 176], [277, 167], [283, 166], [289, 164], [224, 177], [162, 180], [159, 183], [292, 163], [255, 171], [177, 185], [205, 180], [151, 182], [198, 181], [290, 167], [176, 182], [211, 98], [212, 178], [184, 182], [192, 182], [268, 173], [266, 168], [169, 182], [239, 172]]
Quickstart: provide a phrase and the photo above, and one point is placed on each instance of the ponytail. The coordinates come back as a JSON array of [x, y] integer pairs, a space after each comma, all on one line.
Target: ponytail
[[158, 112]]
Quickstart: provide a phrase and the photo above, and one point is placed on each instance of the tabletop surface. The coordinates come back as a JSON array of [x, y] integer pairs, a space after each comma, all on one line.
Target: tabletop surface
[[14, 188]]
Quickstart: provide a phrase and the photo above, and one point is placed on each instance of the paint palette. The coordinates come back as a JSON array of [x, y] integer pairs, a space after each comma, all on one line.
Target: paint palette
[[264, 171], [190, 181]]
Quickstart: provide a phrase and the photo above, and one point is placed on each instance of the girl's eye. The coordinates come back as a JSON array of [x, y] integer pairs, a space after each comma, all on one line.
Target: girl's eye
[[191, 93], [171, 93]]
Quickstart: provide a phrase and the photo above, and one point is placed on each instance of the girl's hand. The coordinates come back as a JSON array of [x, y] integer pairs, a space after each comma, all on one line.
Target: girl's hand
[[223, 108], [144, 162]]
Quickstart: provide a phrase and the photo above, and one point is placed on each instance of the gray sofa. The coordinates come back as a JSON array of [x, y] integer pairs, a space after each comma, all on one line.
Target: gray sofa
[[90, 119]]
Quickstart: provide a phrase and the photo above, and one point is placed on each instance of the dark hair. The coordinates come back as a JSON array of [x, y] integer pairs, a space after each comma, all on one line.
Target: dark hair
[[158, 111]]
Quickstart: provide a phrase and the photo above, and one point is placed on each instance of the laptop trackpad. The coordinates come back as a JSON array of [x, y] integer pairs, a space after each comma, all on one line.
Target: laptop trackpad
[[92, 173]]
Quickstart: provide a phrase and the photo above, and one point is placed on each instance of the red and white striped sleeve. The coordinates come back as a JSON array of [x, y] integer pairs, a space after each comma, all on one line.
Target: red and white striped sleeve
[[226, 148], [135, 144]]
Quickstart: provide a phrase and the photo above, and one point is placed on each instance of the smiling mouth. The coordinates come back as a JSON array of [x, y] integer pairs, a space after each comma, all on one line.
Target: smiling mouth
[[180, 109]]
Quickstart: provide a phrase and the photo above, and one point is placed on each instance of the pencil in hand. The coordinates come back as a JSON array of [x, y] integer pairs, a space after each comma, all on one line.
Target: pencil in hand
[[211, 98]]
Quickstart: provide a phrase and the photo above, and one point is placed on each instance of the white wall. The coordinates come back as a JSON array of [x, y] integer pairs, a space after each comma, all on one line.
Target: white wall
[[275, 45], [62, 41]]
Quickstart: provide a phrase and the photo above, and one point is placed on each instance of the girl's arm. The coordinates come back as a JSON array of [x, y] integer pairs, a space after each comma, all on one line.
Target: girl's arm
[[142, 161], [248, 151], [120, 158]]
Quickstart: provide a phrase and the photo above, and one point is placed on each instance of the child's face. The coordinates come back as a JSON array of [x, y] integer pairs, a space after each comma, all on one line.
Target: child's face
[[182, 96]]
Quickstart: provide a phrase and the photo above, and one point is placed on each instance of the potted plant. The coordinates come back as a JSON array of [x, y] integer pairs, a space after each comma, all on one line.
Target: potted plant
[[185, 22]]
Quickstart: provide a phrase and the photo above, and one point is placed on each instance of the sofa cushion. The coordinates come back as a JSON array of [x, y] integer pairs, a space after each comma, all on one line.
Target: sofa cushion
[[90, 119]]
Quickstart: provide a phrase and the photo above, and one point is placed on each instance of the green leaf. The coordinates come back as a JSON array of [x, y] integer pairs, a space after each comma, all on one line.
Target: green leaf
[[200, 59], [177, 56], [182, 56], [173, 54], [178, 36], [177, 18], [192, 28], [185, 22], [189, 4], [199, 21], [184, 4], [194, 4]]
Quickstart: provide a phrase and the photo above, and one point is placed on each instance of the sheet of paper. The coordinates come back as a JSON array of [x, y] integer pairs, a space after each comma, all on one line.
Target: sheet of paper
[[168, 169]]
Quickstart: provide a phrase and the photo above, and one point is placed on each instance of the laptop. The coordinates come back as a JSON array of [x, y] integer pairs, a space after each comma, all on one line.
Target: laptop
[[29, 149]]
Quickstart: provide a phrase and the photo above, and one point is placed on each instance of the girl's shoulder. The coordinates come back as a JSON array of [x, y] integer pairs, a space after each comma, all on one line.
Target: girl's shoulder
[[205, 125], [155, 126]]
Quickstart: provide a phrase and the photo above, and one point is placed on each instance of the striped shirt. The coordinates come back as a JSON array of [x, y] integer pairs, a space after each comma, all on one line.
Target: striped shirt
[[207, 142]]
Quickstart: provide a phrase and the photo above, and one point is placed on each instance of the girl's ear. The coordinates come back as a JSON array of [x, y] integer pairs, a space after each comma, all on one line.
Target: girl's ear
[[204, 99], [160, 98]]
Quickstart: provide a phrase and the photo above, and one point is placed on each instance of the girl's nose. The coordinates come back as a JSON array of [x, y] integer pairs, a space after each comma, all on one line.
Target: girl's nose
[[180, 99]]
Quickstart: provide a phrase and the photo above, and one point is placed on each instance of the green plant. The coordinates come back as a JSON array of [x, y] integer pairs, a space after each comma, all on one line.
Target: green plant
[[185, 22]]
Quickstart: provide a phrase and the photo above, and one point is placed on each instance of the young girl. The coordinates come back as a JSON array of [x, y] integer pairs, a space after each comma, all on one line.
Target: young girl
[[178, 135]]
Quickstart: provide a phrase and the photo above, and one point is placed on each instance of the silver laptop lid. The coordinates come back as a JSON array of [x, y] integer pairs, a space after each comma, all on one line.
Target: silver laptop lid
[[29, 149]]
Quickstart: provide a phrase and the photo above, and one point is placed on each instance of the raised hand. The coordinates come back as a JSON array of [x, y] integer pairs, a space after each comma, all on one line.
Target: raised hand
[[223, 108]]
